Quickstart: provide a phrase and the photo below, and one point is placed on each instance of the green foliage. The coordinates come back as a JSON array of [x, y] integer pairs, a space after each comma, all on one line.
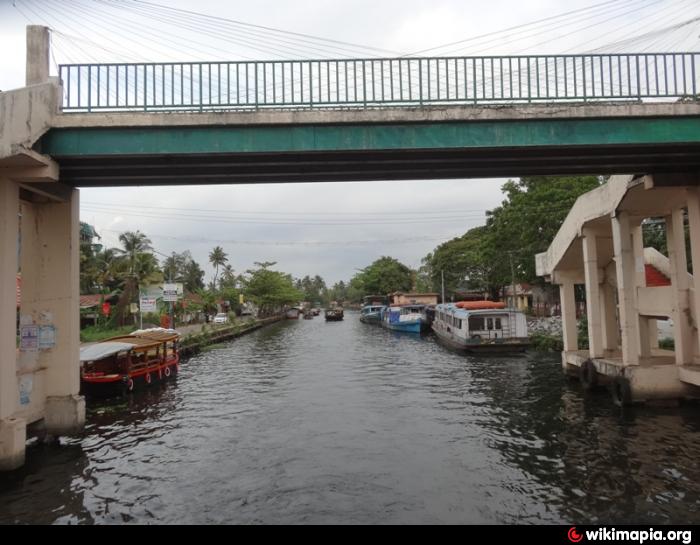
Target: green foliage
[[313, 289], [487, 257], [269, 290], [100, 333], [384, 276], [218, 258], [546, 343], [583, 333], [182, 268], [667, 344]]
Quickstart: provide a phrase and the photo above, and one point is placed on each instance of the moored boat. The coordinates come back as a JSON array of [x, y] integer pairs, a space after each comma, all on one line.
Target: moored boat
[[334, 314], [481, 326], [129, 362], [406, 318], [293, 313], [372, 308]]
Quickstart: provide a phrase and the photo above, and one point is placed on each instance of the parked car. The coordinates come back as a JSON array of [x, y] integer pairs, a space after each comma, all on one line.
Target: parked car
[[221, 318]]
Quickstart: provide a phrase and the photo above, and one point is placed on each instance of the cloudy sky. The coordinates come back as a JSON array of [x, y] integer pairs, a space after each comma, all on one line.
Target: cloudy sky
[[335, 228]]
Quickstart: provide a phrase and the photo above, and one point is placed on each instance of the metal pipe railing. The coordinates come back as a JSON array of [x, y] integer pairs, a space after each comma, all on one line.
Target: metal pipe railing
[[377, 82]]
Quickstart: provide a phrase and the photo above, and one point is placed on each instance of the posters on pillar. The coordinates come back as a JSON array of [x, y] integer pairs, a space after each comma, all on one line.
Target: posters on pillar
[[28, 338], [47, 337], [26, 385]]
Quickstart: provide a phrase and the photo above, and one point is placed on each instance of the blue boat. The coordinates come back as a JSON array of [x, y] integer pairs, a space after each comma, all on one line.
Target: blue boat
[[406, 318], [372, 314]]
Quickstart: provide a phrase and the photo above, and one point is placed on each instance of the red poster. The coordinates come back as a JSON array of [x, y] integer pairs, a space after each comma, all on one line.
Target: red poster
[[106, 307]]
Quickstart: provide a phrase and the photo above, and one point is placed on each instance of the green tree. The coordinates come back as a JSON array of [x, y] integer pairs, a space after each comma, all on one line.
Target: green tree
[[385, 275], [182, 268], [217, 257], [269, 290]]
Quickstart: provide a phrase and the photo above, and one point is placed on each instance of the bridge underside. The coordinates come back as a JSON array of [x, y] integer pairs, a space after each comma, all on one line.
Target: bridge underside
[[125, 170], [127, 155]]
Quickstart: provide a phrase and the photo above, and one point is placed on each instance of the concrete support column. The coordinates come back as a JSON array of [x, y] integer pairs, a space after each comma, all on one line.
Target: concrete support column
[[12, 430], [568, 316], [38, 54], [51, 275], [626, 283], [611, 334], [694, 224], [680, 283], [645, 330], [593, 294]]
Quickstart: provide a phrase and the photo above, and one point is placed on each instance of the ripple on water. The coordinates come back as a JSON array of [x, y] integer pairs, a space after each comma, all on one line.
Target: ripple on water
[[342, 422]]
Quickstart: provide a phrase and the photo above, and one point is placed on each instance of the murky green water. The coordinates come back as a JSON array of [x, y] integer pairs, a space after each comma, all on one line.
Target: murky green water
[[343, 422]]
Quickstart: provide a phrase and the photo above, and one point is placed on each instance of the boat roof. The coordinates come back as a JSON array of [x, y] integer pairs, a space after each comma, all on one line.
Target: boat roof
[[450, 307], [157, 334], [103, 350], [137, 343]]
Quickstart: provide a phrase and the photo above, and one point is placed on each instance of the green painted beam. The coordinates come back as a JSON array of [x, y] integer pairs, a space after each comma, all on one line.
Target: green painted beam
[[82, 142]]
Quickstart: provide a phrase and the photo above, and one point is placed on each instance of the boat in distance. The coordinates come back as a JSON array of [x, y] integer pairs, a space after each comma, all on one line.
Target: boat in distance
[[481, 326], [335, 314]]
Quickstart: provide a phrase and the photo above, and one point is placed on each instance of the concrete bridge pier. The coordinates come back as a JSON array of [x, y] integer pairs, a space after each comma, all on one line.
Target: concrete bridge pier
[[39, 374]]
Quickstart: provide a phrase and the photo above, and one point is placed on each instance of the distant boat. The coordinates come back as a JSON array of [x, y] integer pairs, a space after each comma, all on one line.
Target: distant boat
[[481, 326], [334, 314], [293, 314], [406, 318]]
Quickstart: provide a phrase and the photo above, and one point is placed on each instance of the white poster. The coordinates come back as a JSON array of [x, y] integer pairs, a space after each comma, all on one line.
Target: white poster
[[148, 304]]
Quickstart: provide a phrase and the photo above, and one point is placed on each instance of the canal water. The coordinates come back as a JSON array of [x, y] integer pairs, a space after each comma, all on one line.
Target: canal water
[[341, 422]]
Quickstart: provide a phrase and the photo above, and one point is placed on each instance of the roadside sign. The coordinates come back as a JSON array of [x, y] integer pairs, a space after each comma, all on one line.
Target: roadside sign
[[170, 292], [148, 304]]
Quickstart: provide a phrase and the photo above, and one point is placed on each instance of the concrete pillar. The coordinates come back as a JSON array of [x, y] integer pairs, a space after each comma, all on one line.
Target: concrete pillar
[[694, 224], [593, 306], [653, 331], [51, 261], [626, 281], [567, 297], [640, 282], [610, 330], [680, 283], [38, 54], [12, 430]]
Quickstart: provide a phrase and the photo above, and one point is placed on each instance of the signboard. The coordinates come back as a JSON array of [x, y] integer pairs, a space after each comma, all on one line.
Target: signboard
[[106, 308], [148, 304], [47, 337], [29, 338], [170, 292], [133, 308]]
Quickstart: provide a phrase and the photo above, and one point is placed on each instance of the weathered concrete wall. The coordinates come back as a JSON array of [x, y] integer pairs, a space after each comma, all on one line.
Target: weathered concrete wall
[[26, 114], [383, 115]]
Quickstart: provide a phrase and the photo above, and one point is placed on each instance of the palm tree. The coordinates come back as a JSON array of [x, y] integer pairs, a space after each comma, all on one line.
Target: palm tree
[[136, 264], [134, 243], [217, 257]]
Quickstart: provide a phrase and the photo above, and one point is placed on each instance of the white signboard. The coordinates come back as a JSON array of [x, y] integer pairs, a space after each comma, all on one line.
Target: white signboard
[[169, 292], [148, 304], [47, 337]]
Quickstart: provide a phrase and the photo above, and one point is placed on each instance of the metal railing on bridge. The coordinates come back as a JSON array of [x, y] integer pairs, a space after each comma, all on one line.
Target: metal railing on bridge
[[376, 82]]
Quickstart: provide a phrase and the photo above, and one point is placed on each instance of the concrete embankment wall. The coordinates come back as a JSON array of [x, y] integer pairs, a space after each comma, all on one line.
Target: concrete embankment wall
[[192, 344]]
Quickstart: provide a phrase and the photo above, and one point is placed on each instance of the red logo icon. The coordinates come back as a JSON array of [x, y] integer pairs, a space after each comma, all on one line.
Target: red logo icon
[[574, 536]]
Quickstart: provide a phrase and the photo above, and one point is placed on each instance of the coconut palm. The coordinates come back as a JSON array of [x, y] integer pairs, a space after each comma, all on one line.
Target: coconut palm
[[217, 257]]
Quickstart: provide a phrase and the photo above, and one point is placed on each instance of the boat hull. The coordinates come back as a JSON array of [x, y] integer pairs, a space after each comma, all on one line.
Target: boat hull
[[119, 385], [495, 346], [405, 327], [371, 318]]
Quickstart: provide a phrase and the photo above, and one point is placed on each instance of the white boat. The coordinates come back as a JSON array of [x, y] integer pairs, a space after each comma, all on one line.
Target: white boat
[[481, 326]]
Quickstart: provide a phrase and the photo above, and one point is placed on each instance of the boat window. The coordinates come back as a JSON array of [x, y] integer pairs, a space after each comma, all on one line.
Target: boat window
[[498, 323], [458, 324], [476, 323]]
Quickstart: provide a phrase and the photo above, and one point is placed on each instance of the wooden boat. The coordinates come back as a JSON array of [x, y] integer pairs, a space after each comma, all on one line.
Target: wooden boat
[[483, 326], [334, 314], [405, 318], [129, 362]]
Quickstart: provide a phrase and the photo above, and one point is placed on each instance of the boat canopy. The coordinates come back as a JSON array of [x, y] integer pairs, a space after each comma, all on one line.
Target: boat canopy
[[157, 334], [480, 305], [103, 350]]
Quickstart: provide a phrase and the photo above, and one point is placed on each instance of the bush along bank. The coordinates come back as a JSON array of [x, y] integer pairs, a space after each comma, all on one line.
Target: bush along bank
[[193, 343]]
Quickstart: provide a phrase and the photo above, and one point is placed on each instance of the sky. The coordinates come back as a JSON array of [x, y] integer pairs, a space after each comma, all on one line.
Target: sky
[[329, 229]]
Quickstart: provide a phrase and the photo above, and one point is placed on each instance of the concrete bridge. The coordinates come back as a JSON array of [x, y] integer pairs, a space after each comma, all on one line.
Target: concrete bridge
[[312, 120]]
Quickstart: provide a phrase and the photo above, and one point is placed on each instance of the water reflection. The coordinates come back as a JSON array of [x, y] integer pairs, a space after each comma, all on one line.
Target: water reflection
[[342, 422]]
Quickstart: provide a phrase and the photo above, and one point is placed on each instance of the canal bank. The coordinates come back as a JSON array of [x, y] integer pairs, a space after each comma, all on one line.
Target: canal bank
[[341, 422], [193, 342]]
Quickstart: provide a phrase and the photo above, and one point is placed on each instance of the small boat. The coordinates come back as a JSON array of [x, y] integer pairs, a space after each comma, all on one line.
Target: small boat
[[334, 314], [481, 326], [427, 318], [293, 313], [316, 311], [406, 318], [129, 362], [308, 315], [372, 308]]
